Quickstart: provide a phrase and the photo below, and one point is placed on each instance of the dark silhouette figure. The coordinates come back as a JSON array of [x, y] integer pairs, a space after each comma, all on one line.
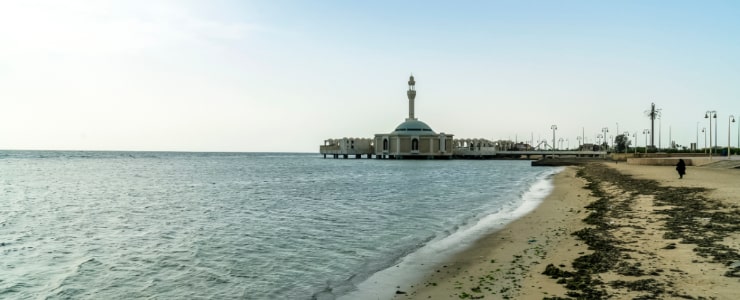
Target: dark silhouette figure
[[681, 168]]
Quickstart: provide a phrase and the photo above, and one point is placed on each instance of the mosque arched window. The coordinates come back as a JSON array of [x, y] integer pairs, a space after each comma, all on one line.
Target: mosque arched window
[[385, 144], [415, 145]]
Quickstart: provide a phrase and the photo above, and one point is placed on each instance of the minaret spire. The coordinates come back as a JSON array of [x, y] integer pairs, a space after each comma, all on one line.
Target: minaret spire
[[411, 93]]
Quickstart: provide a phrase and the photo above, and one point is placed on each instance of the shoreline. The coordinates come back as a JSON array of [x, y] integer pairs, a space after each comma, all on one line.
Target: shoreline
[[501, 261], [414, 267], [639, 252]]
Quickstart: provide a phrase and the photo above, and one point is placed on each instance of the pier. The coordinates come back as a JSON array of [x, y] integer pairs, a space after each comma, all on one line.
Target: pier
[[466, 153], [359, 148]]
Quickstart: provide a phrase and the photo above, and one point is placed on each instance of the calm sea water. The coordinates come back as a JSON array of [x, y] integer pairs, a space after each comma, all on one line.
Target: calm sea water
[[111, 225]]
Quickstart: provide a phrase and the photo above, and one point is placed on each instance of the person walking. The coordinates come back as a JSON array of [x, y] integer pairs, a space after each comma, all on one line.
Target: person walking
[[681, 168]]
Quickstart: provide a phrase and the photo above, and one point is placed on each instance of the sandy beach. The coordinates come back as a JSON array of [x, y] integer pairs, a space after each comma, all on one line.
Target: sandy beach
[[608, 230]]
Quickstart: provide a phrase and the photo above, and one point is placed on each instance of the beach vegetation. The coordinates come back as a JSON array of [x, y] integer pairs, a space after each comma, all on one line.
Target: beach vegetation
[[623, 142]]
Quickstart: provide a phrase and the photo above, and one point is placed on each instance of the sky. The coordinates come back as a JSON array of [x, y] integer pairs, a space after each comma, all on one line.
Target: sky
[[283, 76]]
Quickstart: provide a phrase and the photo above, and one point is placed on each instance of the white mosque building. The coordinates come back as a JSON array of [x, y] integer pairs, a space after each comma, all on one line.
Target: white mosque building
[[412, 139]]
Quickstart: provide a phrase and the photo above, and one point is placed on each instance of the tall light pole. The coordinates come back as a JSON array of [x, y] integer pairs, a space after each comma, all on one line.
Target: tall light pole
[[716, 140], [697, 136], [704, 130], [660, 131], [729, 129], [709, 115], [614, 142], [583, 134], [553, 127], [635, 136], [646, 132], [605, 130]]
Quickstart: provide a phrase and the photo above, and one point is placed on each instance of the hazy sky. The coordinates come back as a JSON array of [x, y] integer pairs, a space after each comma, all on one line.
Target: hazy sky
[[285, 75]]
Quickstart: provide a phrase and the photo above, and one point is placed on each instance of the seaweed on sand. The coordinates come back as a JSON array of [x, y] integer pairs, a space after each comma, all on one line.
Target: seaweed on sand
[[691, 217]]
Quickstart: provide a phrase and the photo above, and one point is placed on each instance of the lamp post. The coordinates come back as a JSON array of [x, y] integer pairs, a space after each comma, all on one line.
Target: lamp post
[[553, 127], [605, 130], [697, 136], [646, 132], [614, 142], [660, 131], [611, 139], [716, 139], [709, 115], [704, 130], [730, 120], [635, 137]]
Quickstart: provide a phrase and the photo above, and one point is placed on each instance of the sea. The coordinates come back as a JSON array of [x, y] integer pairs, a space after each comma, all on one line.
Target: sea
[[176, 225]]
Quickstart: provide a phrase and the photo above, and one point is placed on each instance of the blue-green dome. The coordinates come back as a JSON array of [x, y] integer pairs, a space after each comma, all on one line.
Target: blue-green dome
[[414, 127]]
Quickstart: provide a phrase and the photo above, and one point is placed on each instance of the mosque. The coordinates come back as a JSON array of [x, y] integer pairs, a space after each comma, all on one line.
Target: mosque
[[412, 139]]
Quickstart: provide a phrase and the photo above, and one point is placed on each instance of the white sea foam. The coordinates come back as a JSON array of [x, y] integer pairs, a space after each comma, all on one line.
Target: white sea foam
[[413, 267]]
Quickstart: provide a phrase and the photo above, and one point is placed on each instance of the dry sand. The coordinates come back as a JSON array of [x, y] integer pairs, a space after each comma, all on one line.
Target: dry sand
[[640, 233]]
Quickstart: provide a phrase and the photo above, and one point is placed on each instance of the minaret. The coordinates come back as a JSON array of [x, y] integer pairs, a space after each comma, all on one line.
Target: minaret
[[411, 93]]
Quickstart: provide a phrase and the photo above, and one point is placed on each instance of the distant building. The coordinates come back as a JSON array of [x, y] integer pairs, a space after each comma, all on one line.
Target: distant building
[[348, 146], [413, 139], [589, 147]]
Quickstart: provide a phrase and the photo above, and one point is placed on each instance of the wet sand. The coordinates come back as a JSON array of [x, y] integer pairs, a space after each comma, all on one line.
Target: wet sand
[[608, 230]]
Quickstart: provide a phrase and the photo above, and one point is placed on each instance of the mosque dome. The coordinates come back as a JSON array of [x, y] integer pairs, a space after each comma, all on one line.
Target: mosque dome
[[413, 127]]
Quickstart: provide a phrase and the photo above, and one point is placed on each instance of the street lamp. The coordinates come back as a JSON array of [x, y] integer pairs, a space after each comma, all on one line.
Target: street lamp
[[646, 132], [635, 137], [704, 130], [614, 142], [697, 136], [560, 145], [553, 127], [709, 115], [729, 131], [660, 131], [605, 130]]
